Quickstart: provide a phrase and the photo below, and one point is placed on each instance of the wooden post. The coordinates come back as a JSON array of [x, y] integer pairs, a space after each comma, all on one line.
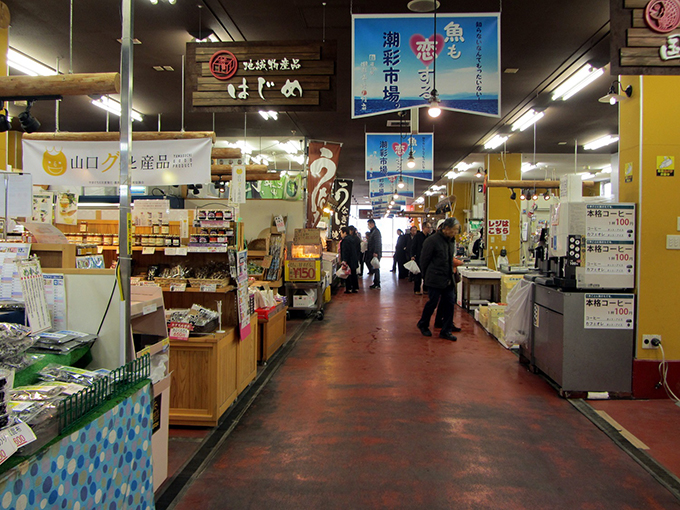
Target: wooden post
[[226, 153], [60, 85], [137, 136]]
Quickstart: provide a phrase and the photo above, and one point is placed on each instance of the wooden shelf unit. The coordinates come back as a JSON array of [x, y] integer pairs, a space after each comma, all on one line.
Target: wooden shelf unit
[[272, 334]]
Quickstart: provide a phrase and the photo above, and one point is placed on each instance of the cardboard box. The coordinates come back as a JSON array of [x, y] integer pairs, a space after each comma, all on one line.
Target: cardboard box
[[508, 281], [305, 300], [495, 311], [484, 316]]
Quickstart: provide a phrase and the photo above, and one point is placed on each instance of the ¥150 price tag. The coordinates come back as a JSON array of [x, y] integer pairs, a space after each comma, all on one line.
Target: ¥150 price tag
[[212, 287], [178, 287]]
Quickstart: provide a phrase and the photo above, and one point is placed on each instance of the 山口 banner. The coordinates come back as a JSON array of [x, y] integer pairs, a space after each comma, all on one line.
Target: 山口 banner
[[390, 186], [393, 62], [387, 155], [154, 163]]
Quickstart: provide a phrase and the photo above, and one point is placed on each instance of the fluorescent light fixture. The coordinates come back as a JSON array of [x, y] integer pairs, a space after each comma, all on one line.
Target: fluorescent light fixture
[[451, 174], [462, 166], [586, 175], [496, 142], [526, 166], [138, 190], [27, 65], [113, 106], [601, 142], [298, 159], [606, 170], [97, 205], [528, 119], [580, 79], [268, 115], [420, 200]]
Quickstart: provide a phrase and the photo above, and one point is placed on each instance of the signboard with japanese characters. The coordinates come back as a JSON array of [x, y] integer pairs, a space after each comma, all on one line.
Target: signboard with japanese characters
[[252, 76], [386, 186], [393, 62], [610, 257], [323, 165], [645, 37], [609, 311], [611, 222], [342, 193], [154, 163], [387, 155], [499, 228]]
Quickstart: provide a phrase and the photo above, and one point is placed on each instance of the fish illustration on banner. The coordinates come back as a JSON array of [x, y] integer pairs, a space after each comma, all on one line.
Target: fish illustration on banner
[[323, 165], [342, 193]]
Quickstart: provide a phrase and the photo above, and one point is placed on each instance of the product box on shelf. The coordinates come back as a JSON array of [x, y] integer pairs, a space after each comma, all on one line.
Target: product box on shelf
[[307, 300], [508, 281]]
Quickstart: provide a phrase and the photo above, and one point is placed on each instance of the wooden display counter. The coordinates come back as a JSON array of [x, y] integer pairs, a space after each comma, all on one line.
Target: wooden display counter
[[272, 334], [208, 373]]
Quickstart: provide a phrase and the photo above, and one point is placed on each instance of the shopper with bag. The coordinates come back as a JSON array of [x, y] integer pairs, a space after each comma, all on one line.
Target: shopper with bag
[[348, 255], [374, 251], [416, 249], [436, 263]]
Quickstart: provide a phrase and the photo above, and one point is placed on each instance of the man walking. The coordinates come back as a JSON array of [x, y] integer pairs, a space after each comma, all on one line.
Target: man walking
[[374, 250], [436, 264], [348, 254]]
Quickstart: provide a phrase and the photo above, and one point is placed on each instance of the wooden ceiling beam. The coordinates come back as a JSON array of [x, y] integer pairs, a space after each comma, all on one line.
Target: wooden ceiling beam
[[84, 84], [137, 136]]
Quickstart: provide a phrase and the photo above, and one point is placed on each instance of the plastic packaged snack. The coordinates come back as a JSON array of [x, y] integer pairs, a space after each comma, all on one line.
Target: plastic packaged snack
[[36, 392], [14, 339], [56, 372]]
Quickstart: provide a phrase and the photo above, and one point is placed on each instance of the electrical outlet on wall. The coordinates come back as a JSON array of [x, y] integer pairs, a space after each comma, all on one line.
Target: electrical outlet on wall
[[672, 242], [648, 341]]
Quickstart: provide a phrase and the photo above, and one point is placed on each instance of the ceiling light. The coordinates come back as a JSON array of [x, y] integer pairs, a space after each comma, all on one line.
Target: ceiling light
[[526, 166], [586, 175], [452, 175], [401, 183], [479, 174], [546, 195], [614, 96], [496, 142], [27, 65], [395, 196], [434, 110], [580, 79], [153, 2], [601, 142], [422, 5], [269, 115], [113, 106], [607, 169], [29, 123], [528, 119], [513, 195], [462, 166], [534, 196], [523, 195], [411, 162]]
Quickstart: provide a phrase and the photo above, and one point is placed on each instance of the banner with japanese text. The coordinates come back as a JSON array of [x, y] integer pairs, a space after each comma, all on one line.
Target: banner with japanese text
[[393, 62], [390, 186], [288, 187], [154, 163], [342, 193], [387, 155], [237, 188], [323, 165]]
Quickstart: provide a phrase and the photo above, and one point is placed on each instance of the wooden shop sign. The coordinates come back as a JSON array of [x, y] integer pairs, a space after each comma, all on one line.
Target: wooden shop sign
[[307, 236], [645, 37], [253, 76]]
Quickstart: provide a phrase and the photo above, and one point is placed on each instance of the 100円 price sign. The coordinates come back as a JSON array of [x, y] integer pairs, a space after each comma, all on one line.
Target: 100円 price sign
[[609, 311]]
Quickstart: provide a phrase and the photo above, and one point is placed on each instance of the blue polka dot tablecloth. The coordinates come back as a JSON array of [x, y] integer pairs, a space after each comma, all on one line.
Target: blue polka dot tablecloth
[[106, 465]]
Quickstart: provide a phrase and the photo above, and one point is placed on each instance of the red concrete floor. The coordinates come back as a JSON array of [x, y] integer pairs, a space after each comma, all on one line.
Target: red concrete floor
[[368, 413]]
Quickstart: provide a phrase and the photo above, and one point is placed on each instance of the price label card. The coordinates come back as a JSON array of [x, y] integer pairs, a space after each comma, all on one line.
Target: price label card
[[610, 257], [280, 224], [171, 251], [7, 446], [100, 249], [182, 251], [21, 435], [149, 309], [148, 250], [609, 311], [614, 222], [178, 287], [209, 288], [179, 330]]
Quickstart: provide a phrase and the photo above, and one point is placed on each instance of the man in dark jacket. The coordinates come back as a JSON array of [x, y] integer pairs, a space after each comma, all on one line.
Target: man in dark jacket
[[436, 265], [348, 254], [374, 250], [400, 254], [416, 249]]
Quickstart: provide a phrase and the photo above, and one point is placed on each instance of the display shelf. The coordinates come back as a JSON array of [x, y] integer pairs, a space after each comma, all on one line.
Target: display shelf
[[55, 256], [272, 334], [208, 249], [141, 308], [195, 290]]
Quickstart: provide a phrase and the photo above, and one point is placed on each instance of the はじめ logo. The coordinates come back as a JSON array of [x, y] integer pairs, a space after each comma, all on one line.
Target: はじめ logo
[[223, 65], [54, 162]]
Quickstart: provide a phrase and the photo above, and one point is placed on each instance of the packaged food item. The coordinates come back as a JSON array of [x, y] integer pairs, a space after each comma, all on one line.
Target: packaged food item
[[14, 339], [56, 372], [36, 392]]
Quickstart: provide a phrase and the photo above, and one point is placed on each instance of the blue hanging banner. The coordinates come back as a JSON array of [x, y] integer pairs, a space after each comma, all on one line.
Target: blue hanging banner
[[393, 62], [390, 185], [387, 155]]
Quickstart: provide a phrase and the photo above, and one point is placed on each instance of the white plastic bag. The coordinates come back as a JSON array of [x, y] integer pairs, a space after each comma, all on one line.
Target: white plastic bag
[[412, 266], [343, 271], [375, 263], [518, 314]]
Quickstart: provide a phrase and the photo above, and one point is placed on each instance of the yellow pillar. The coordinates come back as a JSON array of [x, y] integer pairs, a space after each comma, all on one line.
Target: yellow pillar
[[500, 207], [463, 200], [648, 134]]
